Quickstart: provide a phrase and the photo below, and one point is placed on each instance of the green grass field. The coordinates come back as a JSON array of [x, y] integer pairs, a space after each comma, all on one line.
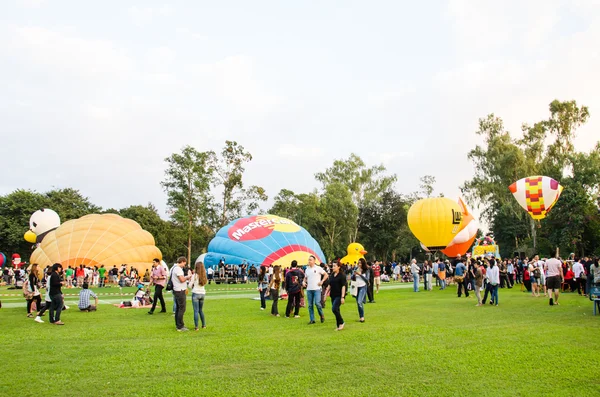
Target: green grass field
[[412, 344]]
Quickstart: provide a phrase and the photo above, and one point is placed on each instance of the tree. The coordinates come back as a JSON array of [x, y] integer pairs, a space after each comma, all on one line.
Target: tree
[[187, 184], [338, 215], [366, 184], [546, 148], [426, 185], [385, 230], [228, 172]]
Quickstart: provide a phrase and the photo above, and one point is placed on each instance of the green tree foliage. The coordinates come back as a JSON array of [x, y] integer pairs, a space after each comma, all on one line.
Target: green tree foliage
[[187, 184], [546, 148], [228, 171], [385, 229], [366, 184], [338, 216]]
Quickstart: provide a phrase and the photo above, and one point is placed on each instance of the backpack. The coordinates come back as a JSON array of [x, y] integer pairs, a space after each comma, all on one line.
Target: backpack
[[537, 273], [169, 286]]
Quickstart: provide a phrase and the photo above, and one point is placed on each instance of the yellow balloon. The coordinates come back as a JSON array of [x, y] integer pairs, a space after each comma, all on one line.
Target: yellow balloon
[[95, 240], [435, 221], [30, 237]]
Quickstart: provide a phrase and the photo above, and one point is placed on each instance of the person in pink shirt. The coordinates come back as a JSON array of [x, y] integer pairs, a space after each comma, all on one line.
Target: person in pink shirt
[[158, 278]]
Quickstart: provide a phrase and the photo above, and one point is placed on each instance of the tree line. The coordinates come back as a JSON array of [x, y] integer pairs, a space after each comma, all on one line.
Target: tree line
[[358, 202]]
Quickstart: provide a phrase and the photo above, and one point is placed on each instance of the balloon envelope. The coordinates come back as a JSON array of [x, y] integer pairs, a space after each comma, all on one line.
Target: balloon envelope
[[435, 221], [95, 239], [536, 194], [463, 240], [2, 259], [263, 240]]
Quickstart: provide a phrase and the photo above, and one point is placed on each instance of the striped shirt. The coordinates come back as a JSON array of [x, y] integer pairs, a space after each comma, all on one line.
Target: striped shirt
[[84, 298]]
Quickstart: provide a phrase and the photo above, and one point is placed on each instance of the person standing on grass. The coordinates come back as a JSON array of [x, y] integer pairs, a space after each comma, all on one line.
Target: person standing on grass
[[158, 278], [579, 271], [478, 279], [274, 288], [180, 281], [337, 292], [84, 299], [101, 275], [361, 276], [534, 276], [198, 283], [313, 280], [414, 269], [460, 276], [263, 286], [56, 297], [554, 279], [47, 300], [493, 276], [511, 273], [442, 274], [293, 284], [376, 275]]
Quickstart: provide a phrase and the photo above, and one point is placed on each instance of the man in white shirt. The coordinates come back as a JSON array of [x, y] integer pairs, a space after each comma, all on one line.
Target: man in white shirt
[[554, 278], [493, 276], [414, 269], [179, 287], [313, 283], [578, 271]]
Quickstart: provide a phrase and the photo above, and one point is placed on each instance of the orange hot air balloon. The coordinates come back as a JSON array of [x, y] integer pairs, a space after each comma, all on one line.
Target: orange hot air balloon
[[466, 236], [92, 240]]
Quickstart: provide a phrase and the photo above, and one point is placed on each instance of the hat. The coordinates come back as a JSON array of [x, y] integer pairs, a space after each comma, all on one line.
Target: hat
[[140, 285]]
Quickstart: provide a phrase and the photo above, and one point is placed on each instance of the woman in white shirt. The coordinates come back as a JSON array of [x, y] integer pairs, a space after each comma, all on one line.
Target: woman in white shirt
[[197, 283], [361, 276]]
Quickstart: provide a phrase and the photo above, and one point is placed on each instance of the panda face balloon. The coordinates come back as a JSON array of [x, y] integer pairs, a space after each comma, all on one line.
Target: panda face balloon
[[43, 221]]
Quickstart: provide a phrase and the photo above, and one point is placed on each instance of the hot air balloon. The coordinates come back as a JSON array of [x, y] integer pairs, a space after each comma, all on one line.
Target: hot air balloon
[[355, 252], [262, 240], [536, 194], [95, 239], [461, 243], [41, 223], [435, 221], [2, 259]]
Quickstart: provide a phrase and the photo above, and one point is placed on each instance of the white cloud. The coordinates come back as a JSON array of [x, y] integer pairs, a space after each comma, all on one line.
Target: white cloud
[[145, 15], [298, 151]]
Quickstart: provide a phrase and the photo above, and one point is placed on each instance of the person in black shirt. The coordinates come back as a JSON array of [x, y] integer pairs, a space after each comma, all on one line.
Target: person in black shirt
[[337, 292], [293, 285], [55, 293]]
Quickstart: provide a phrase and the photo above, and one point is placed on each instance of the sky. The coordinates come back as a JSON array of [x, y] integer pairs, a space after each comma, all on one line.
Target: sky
[[95, 95]]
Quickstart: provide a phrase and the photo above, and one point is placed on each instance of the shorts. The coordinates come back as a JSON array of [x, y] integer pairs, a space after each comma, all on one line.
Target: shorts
[[377, 280], [553, 282], [535, 280]]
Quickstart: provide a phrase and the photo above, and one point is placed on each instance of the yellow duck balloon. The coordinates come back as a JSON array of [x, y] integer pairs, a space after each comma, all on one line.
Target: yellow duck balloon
[[435, 221], [355, 252]]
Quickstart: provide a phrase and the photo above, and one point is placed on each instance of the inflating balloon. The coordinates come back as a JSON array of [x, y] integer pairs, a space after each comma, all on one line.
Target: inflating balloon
[[41, 223], [95, 239], [2, 259], [262, 240], [355, 252], [536, 194], [435, 221], [461, 243]]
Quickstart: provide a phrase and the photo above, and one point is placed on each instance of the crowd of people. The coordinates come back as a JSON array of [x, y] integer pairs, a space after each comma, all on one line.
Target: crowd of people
[[304, 286]]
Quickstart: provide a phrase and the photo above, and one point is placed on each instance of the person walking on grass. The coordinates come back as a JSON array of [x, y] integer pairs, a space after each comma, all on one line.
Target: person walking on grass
[[313, 280], [478, 278], [263, 286], [180, 281], [198, 283], [293, 284], [442, 274], [56, 297], [274, 288], [361, 276], [33, 285], [493, 276], [158, 278], [84, 299], [554, 279], [579, 272], [337, 292]]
